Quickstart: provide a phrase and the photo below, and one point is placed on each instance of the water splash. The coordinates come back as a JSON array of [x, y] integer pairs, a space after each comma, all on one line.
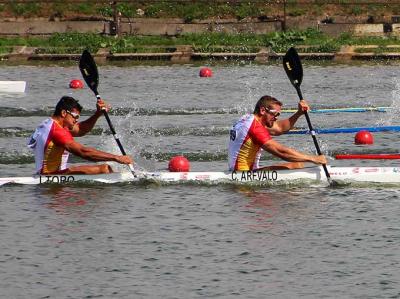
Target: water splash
[[134, 135], [392, 116], [255, 87]]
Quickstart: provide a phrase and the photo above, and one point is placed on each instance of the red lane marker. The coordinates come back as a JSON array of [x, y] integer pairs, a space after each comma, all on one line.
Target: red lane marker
[[367, 156]]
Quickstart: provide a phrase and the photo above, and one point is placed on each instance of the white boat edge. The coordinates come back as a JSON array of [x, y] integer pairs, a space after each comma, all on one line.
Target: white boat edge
[[12, 86], [356, 174]]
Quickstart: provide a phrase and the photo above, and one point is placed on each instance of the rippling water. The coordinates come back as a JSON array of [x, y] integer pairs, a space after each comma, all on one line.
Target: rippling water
[[198, 241]]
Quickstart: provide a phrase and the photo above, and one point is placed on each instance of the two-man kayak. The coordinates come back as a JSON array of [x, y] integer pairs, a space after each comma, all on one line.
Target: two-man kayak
[[351, 174]]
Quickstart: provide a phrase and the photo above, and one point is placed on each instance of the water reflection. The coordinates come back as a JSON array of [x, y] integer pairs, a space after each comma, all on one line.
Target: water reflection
[[68, 210], [64, 198], [69, 199], [268, 209]]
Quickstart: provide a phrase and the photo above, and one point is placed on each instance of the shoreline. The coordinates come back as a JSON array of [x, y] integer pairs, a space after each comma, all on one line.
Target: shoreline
[[186, 54]]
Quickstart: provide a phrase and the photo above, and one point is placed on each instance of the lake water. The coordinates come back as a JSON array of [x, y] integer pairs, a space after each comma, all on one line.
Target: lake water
[[199, 241]]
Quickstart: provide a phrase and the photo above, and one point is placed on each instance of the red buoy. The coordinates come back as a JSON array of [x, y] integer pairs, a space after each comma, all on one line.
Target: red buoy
[[205, 72], [75, 84], [364, 137], [179, 164]]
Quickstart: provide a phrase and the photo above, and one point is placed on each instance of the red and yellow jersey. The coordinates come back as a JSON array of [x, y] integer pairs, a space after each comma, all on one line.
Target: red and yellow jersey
[[48, 142], [246, 139]]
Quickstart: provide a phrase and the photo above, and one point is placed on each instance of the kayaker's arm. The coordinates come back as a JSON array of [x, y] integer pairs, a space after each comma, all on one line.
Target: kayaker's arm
[[93, 154], [84, 127], [283, 126], [291, 155]]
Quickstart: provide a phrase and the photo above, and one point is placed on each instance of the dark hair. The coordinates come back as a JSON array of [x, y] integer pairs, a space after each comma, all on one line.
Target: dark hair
[[266, 101], [66, 103]]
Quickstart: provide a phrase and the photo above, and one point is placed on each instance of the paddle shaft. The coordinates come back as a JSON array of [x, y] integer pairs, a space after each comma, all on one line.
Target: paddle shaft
[[89, 71], [113, 132], [312, 132]]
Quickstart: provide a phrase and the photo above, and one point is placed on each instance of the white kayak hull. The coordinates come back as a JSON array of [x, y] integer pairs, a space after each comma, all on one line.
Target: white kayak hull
[[12, 86], [356, 174]]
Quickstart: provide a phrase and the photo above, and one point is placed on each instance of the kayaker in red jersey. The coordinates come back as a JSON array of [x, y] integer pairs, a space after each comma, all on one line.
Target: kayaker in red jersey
[[252, 134], [53, 140]]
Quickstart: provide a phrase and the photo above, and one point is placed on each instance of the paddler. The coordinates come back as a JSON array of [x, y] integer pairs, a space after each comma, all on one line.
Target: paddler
[[252, 134], [53, 140]]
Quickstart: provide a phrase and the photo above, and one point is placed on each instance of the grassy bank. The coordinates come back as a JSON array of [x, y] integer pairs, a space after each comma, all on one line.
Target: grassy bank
[[188, 11], [313, 40], [199, 10]]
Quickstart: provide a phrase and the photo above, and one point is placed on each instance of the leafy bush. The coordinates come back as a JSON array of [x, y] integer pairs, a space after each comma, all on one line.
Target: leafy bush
[[106, 11], [224, 10], [246, 9], [312, 41], [193, 11], [24, 9], [84, 8], [296, 12], [90, 41], [5, 50], [127, 10], [12, 42], [153, 10], [356, 10]]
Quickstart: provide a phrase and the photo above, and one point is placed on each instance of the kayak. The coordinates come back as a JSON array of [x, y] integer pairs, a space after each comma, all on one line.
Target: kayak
[[356, 174], [12, 86]]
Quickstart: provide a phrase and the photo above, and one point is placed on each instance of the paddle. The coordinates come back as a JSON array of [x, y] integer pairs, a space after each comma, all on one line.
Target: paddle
[[88, 68], [294, 70]]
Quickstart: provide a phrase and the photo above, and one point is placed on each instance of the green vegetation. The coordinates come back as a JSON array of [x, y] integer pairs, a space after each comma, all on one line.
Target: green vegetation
[[188, 11], [28, 9], [5, 50], [378, 50], [309, 40], [356, 10], [195, 10]]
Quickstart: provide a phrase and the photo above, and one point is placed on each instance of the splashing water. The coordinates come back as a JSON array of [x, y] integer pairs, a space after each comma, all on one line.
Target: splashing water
[[134, 139], [392, 115], [131, 139], [255, 87]]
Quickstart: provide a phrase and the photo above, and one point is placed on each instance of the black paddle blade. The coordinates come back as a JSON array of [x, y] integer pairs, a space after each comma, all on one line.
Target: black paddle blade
[[88, 68], [293, 67]]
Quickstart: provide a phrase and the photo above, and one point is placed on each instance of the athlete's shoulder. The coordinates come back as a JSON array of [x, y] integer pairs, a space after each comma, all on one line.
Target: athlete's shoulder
[[59, 134], [245, 119], [259, 133], [48, 122]]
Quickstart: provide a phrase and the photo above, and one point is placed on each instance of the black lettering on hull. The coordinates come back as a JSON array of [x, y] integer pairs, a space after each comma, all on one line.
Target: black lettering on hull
[[255, 175], [56, 179]]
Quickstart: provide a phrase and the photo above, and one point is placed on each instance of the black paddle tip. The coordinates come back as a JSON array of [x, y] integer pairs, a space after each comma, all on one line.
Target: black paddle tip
[[88, 68], [85, 53], [86, 58], [291, 51], [293, 66]]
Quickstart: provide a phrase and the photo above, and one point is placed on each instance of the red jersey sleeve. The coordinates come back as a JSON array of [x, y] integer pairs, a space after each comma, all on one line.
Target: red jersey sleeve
[[258, 133], [61, 136]]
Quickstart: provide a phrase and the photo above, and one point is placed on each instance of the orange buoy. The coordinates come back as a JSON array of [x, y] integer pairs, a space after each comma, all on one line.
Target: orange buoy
[[205, 72], [179, 164], [364, 137], [76, 84]]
